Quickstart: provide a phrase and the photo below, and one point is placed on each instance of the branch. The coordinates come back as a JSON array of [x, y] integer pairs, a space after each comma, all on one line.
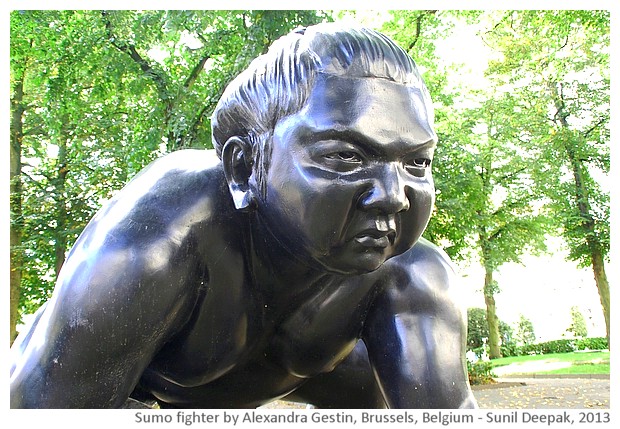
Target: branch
[[565, 43], [595, 126], [495, 27], [418, 27], [558, 101], [496, 234], [36, 130], [193, 131], [37, 183], [200, 116], [202, 38], [513, 174], [131, 50], [196, 71]]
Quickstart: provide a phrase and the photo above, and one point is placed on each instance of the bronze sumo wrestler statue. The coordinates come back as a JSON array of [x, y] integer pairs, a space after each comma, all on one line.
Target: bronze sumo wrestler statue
[[286, 263]]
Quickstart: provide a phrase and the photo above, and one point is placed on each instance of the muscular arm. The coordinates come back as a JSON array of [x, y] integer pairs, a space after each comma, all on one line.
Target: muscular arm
[[128, 285], [415, 334]]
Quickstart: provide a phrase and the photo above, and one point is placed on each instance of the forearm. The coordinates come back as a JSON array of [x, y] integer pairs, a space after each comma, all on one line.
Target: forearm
[[419, 380], [55, 374], [418, 361]]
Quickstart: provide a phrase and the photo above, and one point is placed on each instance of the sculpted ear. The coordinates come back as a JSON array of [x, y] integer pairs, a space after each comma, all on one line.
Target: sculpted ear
[[237, 162]]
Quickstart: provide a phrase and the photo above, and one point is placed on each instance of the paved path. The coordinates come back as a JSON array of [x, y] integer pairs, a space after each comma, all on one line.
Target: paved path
[[531, 393], [539, 393]]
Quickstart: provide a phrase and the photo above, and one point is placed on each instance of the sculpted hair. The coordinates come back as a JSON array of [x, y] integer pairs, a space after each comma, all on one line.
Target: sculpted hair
[[278, 83]]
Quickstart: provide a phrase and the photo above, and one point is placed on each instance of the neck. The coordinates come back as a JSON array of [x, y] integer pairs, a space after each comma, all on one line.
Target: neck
[[283, 275]]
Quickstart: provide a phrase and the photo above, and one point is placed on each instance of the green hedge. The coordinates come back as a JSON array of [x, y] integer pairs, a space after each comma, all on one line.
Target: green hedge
[[510, 350], [564, 346], [555, 346], [596, 343]]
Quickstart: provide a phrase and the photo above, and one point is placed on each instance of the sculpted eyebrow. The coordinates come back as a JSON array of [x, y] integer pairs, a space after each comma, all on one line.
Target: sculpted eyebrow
[[362, 140], [346, 135]]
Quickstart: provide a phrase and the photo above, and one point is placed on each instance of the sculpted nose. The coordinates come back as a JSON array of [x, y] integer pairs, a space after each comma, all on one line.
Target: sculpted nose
[[387, 193]]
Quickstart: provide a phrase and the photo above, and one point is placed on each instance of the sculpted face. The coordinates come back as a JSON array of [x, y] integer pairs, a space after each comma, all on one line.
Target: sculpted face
[[349, 183]]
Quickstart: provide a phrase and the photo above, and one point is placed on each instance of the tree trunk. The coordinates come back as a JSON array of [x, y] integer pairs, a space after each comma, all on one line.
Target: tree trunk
[[494, 341], [585, 209], [17, 222], [600, 277], [596, 256], [60, 233]]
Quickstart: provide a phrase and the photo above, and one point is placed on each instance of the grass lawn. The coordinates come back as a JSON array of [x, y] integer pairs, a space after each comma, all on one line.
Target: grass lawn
[[557, 363]]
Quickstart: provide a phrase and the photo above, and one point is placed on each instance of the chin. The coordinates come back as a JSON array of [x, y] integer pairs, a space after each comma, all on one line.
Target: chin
[[362, 264]]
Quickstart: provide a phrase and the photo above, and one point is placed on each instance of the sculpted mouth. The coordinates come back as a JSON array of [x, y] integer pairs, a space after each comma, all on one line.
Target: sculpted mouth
[[375, 238]]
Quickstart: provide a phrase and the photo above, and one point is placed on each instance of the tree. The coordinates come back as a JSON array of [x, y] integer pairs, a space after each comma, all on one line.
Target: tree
[[578, 326], [417, 31], [485, 199], [478, 329], [548, 104], [187, 43], [18, 108], [66, 152], [525, 331], [559, 62]]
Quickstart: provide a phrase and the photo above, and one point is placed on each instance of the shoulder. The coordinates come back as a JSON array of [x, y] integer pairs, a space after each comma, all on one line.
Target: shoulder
[[177, 191], [179, 165], [425, 262], [421, 277], [173, 177]]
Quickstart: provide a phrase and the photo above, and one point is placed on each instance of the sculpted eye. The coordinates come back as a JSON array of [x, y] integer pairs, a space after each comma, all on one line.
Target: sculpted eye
[[345, 156], [418, 166], [421, 162]]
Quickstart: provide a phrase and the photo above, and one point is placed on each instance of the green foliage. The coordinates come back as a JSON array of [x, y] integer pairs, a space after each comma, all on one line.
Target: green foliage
[[565, 346], [578, 324], [478, 330], [477, 327], [511, 349], [524, 159], [555, 346], [478, 335], [484, 194], [416, 31], [525, 331], [484, 168], [480, 372], [557, 62], [593, 343]]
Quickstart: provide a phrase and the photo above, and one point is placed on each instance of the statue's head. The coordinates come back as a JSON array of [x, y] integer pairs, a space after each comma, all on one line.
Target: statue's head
[[327, 123]]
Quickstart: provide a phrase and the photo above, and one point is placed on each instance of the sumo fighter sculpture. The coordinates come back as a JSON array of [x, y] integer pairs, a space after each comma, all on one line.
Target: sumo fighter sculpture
[[286, 263]]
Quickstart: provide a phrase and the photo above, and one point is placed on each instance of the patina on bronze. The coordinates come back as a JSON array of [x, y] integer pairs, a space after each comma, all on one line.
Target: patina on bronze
[[286, 263]]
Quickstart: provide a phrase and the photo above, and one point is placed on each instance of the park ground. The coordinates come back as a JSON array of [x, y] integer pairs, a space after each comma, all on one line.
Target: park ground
[[577, 380], [557, 381]]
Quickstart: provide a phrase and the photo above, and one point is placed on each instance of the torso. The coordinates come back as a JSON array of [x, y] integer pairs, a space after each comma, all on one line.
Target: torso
[[239, 352]]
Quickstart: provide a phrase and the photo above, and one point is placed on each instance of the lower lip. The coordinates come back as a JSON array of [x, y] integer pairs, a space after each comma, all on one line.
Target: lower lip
[[369, 241]]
